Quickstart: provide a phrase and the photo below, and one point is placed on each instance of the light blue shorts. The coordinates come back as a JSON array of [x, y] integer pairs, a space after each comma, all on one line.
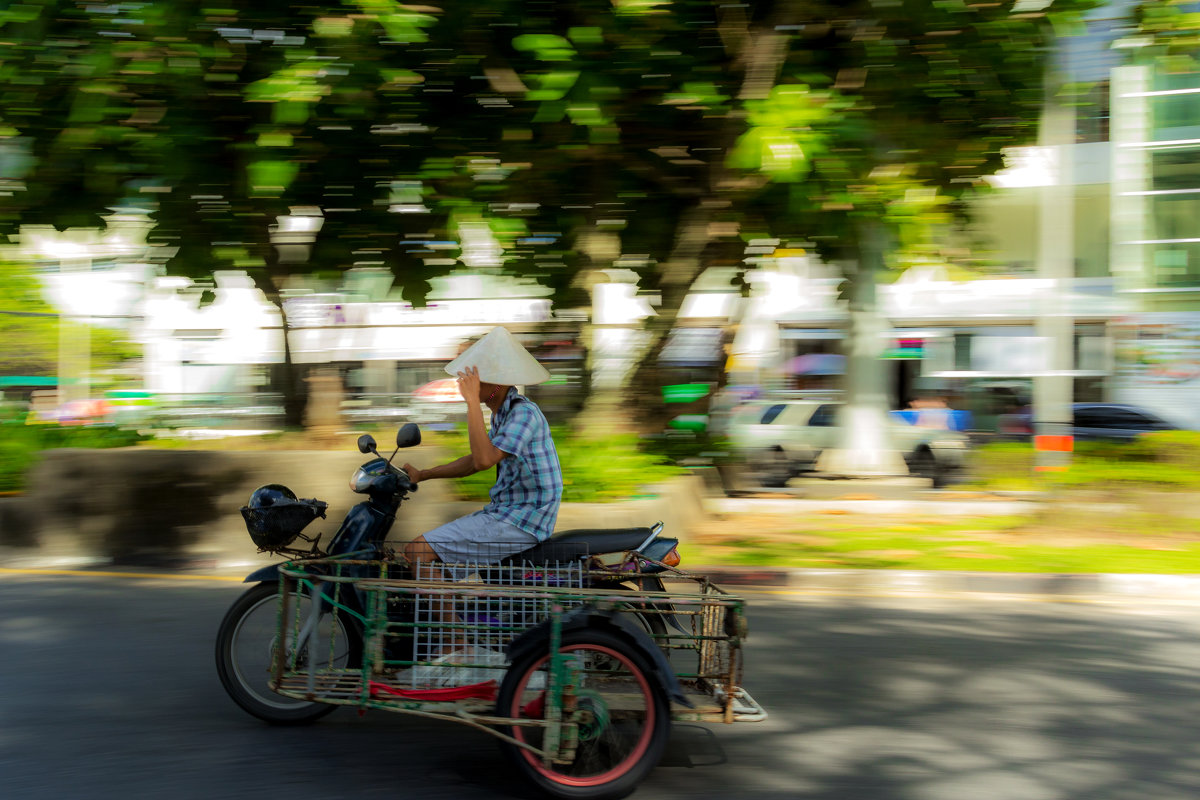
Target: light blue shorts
[[478, 538]]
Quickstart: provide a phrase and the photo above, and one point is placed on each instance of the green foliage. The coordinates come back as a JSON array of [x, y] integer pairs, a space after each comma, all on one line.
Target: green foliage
[[618, 113], [1174, 26], [594, 470], [784, 133], [680, 125], [20, 446]]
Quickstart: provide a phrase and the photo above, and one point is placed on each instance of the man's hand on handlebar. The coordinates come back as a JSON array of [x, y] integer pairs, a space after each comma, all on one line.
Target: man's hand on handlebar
[[414, 474]]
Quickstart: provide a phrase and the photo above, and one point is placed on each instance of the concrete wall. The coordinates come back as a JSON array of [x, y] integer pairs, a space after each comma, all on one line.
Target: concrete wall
[[175, 507], [139, 505]]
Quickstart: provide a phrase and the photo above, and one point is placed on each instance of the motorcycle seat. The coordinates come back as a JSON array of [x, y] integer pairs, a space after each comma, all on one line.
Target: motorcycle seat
[[580, 543]]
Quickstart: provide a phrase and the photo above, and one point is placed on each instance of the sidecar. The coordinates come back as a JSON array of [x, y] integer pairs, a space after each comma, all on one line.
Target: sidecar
[[579, 685]]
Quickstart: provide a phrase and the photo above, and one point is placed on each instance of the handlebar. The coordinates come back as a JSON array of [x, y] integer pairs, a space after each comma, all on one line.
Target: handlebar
[[407, 484]]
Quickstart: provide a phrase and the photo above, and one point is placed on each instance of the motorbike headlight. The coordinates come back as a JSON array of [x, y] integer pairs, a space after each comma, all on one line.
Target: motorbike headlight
[[367, 474]]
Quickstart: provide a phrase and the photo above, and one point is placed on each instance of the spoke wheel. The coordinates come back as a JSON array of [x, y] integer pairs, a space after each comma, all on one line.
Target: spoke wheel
[[622, 715], [247, 643]]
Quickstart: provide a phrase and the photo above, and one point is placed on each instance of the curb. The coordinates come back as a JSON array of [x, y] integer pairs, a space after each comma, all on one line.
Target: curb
[[829, 582], [1063, 585]]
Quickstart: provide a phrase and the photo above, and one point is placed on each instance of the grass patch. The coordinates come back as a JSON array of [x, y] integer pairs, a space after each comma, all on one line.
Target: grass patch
[[1131, 542], [1170, 459], [594, 470]]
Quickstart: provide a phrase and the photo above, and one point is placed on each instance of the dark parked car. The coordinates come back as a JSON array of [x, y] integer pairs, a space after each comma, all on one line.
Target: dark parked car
[[1101, 421]]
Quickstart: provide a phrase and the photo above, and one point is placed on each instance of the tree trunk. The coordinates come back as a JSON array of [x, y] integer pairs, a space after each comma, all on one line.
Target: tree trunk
[[760, 50], [679, 272], [865, 449], [290, 378]]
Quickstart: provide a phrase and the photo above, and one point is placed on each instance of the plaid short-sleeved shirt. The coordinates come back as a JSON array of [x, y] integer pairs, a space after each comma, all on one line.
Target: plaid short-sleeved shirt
[[529, 481]]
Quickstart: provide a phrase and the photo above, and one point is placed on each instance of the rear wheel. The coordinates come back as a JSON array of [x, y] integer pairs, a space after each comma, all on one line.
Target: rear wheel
[[925, 465], [248, 641], [622, 714], [772, 468]]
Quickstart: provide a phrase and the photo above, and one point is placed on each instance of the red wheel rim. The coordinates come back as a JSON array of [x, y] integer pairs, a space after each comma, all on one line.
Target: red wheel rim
[[625, 764]]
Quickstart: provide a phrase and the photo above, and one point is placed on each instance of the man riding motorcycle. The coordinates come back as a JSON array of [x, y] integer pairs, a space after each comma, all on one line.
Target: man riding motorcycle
[[528, 489]]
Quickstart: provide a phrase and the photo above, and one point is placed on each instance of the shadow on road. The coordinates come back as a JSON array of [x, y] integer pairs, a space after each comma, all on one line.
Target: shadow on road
[[110, 685]]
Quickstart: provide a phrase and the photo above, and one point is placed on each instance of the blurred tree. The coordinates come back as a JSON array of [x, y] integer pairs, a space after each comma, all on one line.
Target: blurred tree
[[690, 128], [221, 121], [906, 107], [523, 131]]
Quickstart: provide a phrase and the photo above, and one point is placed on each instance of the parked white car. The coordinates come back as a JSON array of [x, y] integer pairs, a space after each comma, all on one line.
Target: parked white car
[[780, 440]]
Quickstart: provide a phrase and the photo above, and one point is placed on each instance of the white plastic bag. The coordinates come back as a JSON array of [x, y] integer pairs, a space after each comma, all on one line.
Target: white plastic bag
[[442, 673]]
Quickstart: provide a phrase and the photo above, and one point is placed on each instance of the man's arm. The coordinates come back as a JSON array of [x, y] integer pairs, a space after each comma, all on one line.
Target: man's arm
[[458, 468], [484, 454]]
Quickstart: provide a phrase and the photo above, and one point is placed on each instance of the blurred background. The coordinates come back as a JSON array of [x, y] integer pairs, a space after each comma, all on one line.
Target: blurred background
[[771, 240], [867, 297]]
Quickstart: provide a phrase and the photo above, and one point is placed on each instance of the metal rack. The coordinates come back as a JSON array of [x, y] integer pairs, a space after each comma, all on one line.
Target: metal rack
[[434, 637]]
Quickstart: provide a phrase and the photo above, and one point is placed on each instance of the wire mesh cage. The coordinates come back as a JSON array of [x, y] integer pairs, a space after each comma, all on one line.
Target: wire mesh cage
[[459, 634]]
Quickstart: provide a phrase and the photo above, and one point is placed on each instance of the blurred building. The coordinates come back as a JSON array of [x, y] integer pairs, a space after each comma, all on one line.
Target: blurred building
[[382, 348], [1133, 174]]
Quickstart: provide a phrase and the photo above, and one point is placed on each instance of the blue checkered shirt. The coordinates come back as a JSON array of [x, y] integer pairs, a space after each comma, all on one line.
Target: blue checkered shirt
[[529, 480]]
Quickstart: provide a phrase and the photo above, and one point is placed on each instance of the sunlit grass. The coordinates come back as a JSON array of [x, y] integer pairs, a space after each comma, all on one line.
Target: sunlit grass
[[1132, 541], [1159, 460]]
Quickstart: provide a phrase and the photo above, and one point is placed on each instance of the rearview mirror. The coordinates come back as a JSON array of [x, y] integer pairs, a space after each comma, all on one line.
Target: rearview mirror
[[366, 443], [409, 435]]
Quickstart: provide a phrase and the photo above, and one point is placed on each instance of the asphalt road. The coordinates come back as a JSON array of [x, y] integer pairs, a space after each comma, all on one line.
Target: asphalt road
[[109, 691]]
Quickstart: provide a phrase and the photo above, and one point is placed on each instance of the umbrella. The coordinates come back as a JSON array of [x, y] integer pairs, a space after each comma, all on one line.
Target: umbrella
[[443, 390], [817, 364]]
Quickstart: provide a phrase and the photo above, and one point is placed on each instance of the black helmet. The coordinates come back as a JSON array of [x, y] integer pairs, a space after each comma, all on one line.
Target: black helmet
[[275, 516]]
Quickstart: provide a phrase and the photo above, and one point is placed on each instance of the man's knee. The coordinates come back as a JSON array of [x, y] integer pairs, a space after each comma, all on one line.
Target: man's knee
[[419, 550]]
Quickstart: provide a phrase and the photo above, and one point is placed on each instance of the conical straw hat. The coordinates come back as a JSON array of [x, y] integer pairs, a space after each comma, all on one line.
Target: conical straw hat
[[500, 359]]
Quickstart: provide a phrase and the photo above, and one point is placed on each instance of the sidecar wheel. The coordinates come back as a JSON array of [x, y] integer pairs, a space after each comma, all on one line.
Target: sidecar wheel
[[624, 718], [246, 642]]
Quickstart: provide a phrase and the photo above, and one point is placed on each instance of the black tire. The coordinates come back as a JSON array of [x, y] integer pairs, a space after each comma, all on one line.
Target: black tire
[[617, 747], [246, 643], [925, 465], [772, 468]]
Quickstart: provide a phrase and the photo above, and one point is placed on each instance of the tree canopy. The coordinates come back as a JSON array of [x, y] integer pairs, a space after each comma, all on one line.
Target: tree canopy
[[405, 121], [542, 139]]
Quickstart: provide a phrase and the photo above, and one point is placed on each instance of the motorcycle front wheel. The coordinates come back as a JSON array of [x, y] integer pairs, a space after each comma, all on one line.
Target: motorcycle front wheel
[[247, 643]]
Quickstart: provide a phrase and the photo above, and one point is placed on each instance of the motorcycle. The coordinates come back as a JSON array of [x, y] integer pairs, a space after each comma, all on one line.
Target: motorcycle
[[628, 560], [570, 653]]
